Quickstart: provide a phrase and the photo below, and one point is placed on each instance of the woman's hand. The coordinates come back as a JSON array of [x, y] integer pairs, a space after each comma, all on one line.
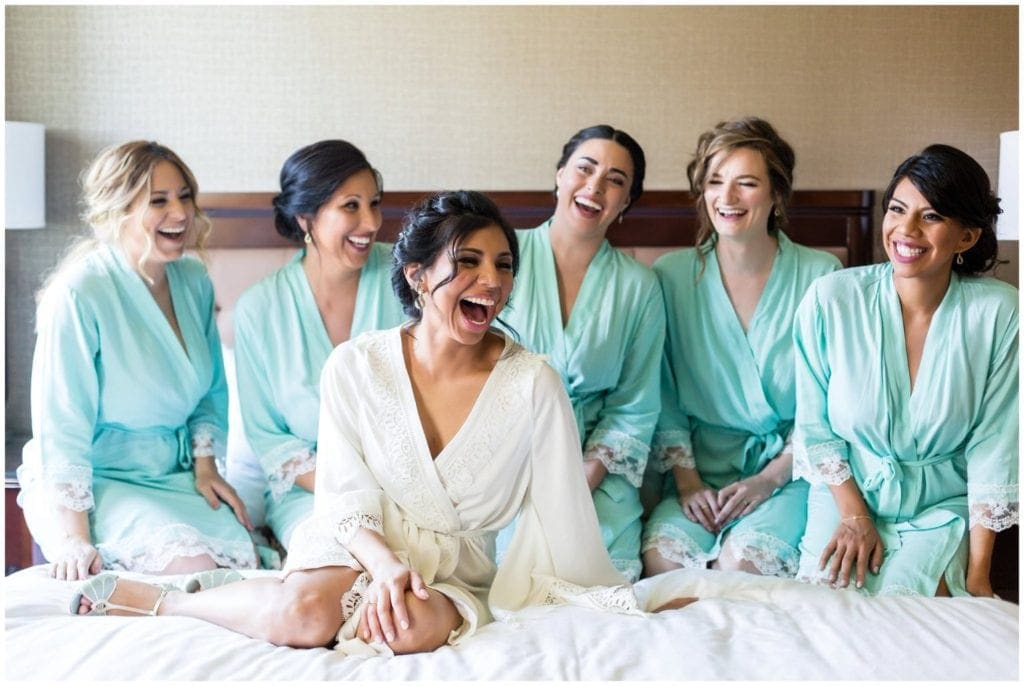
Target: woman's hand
[[742, 497], [595, 471], [854, 544], [700, 505], [76, 559], [385, 601], [212, 486]]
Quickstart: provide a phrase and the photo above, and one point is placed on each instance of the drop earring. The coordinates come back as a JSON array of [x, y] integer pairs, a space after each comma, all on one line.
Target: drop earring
[[307, 239], [959, 259]]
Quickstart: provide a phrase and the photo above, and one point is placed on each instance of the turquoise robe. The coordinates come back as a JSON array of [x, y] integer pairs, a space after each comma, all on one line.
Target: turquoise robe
[[281, 345], [932, 462], [728, 402], [118, 406], [608, 356]]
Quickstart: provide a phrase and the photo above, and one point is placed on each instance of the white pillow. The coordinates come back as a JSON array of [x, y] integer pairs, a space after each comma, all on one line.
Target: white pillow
[[244, 471]]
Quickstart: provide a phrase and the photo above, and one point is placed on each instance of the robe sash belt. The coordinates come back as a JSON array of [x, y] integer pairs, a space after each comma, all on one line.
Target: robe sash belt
[[434, 554], [758, 449], [112, 446]]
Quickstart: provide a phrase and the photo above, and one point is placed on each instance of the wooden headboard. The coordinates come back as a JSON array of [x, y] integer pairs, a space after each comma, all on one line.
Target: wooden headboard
[[837, 220]]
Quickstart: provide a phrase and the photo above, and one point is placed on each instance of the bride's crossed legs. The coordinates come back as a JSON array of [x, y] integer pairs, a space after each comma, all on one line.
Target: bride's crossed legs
[[302, 610]]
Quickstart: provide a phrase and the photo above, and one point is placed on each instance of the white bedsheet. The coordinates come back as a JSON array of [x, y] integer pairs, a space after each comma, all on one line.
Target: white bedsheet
[[745, 627]]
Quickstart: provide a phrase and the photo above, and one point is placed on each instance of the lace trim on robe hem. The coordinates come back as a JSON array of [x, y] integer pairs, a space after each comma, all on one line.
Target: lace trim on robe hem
[[822, 462], [620, 453], [353, 597], [675, 545], [630, 569], [347, 527], [672, 449], [208, 441], [769, 554], [618, 599], [153, 551], [993, 506], [820, 578], [281, 480]]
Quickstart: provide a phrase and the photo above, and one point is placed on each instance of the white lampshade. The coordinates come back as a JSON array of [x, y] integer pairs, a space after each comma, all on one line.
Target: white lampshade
[[1007, 228], [25, 168]]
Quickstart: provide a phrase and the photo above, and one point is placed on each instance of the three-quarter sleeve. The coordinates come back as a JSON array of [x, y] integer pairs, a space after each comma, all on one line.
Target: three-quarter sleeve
[[208, 424], [282, 455], [672, 445], [65, 396], [630, 410], [556, 555], [819, 455], [992, 446]]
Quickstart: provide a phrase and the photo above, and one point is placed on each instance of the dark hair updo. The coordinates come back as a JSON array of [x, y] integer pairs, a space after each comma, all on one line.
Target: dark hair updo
[[439, 224], [609, 133], [955, 186], [310, 176]]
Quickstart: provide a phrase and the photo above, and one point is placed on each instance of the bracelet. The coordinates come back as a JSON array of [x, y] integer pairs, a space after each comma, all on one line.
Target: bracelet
[[850, 519]]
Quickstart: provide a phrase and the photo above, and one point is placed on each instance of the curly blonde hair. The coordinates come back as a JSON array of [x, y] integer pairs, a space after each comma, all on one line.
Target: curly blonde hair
[[118, 177]]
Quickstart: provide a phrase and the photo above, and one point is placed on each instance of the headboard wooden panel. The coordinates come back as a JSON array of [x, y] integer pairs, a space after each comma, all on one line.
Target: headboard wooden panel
[[822, 219]]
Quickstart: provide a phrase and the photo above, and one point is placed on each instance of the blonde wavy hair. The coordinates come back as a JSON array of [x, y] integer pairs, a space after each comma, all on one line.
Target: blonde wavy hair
[[747, 132], [115, 188]]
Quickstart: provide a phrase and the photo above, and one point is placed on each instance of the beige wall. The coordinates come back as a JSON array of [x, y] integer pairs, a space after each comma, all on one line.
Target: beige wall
[[484, 97]]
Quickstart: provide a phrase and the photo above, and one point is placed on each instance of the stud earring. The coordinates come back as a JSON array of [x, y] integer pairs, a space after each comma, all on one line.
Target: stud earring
[[778, 213]]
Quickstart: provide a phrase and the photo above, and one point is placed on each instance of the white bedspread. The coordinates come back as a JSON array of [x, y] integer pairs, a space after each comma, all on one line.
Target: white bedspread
[[745, 627]]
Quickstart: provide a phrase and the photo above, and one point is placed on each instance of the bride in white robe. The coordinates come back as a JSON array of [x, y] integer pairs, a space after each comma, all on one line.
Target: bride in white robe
[[433, 436]]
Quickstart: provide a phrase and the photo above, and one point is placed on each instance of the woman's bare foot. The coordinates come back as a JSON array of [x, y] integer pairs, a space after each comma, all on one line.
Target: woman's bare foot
[[675, 604], [127, 592]]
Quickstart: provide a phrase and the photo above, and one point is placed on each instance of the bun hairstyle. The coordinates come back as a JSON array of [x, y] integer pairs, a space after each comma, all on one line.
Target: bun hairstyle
[[605, 132], [957, 187], [310, 176], [727, 136], [437, 225]]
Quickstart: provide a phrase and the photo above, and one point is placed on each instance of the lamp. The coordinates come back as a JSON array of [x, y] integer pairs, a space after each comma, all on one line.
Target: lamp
[[25, 169], [1007, 227]]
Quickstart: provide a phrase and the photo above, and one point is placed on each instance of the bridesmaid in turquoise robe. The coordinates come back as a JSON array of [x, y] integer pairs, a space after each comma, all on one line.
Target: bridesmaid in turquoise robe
[[129, 400], [907, 395], [337, 286], [728, 396], [598, 316]]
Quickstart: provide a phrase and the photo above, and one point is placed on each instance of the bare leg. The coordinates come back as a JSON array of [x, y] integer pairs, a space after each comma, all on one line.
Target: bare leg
[[729, 561], [303, 610], [188, 565], [654, 563], [430, 623]]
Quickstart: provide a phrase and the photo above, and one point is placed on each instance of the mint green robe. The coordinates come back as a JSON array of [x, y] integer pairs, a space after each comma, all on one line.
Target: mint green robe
[[931, 463], [728, 402], [280, 347], [608, 356], [118, 410]]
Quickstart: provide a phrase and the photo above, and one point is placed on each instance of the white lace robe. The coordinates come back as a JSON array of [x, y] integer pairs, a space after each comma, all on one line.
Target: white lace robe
[[518, 452]]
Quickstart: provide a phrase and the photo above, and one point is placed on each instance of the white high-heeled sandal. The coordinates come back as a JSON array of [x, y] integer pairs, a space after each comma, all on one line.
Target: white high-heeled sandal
[[99, 589]]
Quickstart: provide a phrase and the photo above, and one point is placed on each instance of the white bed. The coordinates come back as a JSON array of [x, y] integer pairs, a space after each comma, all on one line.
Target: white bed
[[745, 627]]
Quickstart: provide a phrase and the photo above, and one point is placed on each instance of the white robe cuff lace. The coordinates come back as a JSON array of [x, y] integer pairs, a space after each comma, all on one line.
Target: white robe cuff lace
[[282, 478], [208, 441], [69, 486], [822, 462], [672, 449], [620, 454], [993, 506]]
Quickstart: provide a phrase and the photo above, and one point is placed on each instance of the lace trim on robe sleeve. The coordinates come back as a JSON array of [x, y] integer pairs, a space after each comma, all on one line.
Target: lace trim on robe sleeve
[[206, 439], [672, 449], [993, 506], [69, 486], [822, 462], [348, 526], [620, 453], [283, 477]]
